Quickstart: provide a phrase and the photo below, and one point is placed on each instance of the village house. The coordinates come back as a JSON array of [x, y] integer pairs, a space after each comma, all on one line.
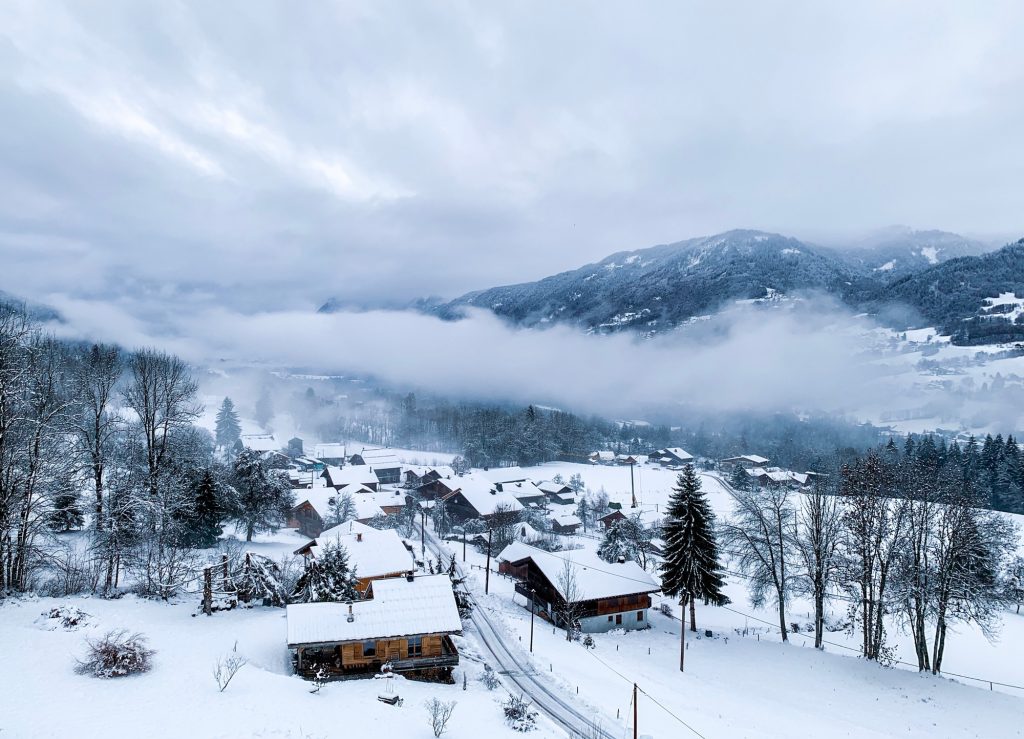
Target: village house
[[477, 497], [608, 519], [558, 493], [526, 492], [383, 462], [406, 622], [418, 475], [745, 461], [339, 477], [499, 475], [601, 457], [373, 554], [670, 457], [565, 524], [330, 454], [260, 442], [607, 595]]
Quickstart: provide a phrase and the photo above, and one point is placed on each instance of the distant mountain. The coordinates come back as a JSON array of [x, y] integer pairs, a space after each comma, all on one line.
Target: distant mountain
[[654, 289], [978, 300], [896, 252]]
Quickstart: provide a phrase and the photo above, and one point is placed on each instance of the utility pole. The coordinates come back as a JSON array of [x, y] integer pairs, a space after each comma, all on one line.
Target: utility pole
[[632, 484], [487, 574], [682, 631], [634, 712], [533, 607], [423, 532], [463, 543]]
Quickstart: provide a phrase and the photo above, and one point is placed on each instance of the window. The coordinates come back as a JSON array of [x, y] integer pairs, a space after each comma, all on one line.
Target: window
[[609, 619], [369, 648], [618, 618], [639, 615], [415, 646]]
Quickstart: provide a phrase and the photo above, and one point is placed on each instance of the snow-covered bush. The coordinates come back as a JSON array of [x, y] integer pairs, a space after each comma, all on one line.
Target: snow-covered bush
[[666, 608], [65, 617], [518, 714], [489, 678], [440, 713], [116, 654], [588, 642]]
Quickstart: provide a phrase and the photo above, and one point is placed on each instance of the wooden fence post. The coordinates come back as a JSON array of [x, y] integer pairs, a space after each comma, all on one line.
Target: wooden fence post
[[208, 590]]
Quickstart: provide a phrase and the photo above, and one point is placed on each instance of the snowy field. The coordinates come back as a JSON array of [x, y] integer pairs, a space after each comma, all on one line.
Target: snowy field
[[42, 696]]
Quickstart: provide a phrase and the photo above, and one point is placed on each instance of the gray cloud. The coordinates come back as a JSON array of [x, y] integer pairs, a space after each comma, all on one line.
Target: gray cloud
[[264, 157]]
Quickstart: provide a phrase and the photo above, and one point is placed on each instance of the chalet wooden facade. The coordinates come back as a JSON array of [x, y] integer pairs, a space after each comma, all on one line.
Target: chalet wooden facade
[[383, 462], [406, 623], [610, 519], [607, 595], [670, 457]]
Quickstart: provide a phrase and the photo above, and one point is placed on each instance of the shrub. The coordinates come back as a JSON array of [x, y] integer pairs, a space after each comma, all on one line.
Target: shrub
[[489, 678], [440, 713], [116, 654], [518, 715]]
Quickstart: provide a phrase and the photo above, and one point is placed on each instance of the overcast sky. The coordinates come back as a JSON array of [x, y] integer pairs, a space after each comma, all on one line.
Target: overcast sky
[[272, 155]]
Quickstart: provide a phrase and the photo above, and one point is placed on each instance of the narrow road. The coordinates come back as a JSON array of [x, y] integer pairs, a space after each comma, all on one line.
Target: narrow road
[[515, 666]]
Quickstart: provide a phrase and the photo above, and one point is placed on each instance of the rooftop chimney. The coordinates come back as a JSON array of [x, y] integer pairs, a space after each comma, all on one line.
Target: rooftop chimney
[[359, 536], [351, 616]]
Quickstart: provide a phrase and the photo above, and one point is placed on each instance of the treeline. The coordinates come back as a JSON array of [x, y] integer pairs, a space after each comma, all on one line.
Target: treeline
[[94, 436]]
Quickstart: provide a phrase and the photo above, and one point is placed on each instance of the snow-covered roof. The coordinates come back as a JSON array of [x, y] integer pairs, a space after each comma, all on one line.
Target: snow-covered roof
[[522, 490], [679, 453], [260, 442], [398, 608], [351, 475], [371, 552], [483, 495], [319, 498], [554, 488], [607, 455], [354, 488], [752, 458], [384, 459], [329, 451], [799, 477], [595, 578], [504, 474], [567, 519]]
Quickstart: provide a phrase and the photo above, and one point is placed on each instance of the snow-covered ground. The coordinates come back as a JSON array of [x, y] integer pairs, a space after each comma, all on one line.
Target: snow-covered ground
[[42, 696]]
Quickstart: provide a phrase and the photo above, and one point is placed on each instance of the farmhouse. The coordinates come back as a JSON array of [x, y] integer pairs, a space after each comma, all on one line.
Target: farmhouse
[[373, 554], [746, 461], [601, 457], [383, 462], [557, 493], [421, 475], [407, 622], [606, 595], [672, 456], [476, 497]]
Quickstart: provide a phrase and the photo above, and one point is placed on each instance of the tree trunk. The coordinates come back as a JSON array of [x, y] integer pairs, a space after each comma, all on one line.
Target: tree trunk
[[819, 618], [693, 614], [249, 532]]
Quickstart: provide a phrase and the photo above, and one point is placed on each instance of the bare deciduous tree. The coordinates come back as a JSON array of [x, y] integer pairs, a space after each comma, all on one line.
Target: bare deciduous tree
[[440, 714], [817, 535]]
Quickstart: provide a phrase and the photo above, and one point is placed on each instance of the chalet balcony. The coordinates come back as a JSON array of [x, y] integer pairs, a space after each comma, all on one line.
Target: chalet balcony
[[449, 657]]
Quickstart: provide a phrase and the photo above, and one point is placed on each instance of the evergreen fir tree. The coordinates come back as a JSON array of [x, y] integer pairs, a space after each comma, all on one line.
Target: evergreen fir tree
[[229, 429], [328, 578], [691, 566], [67, 512], [208, 511]]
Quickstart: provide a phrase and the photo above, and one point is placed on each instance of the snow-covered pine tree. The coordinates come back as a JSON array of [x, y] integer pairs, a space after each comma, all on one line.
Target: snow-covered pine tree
[[328, 578], [229, 429], [691, 566], [260, 580], [67, 511], [207, 512]]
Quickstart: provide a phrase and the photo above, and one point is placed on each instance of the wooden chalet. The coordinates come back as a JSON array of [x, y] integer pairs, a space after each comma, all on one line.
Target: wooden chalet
[[339, 477], [671, 457], [417, 476], [476, 497], [526, 492], [601, 457], [610, 518], [330, 454], [565, 524], [745, 461], [557, 493], [609, 595], [406, 622], [383, 462]]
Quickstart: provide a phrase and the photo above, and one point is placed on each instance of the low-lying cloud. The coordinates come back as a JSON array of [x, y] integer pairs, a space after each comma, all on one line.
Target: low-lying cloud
[[804, 357]]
